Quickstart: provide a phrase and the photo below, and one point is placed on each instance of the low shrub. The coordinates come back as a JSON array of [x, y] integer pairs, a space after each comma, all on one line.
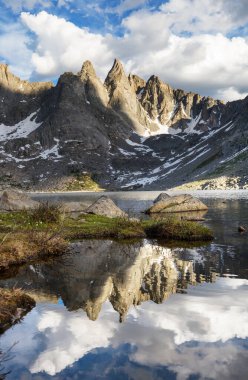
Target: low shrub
[[176, 229], [46, 213]]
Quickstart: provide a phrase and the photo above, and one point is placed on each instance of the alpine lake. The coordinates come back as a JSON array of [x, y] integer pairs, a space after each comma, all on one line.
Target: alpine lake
[[139, 310]]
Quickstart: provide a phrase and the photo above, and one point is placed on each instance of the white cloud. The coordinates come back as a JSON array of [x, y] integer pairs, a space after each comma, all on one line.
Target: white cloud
[[206, 16], [18, 5], [62, 46], [69, 337], [127, 5], [154, 42], [212, 315], [231, 94], [16, 53]]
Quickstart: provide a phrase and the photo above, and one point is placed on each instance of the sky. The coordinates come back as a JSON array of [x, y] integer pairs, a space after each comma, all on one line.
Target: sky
[[196, 45]]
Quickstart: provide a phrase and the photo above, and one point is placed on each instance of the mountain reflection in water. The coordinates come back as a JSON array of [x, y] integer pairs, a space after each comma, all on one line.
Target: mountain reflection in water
[[202, 333], [184, 311], [124, 274]]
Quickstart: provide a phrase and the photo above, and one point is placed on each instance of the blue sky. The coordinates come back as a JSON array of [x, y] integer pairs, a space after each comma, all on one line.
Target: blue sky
[[100, 15], [201, 46]]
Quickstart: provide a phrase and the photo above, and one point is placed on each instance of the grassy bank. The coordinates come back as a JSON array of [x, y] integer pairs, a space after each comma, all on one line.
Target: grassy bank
[[18, 248], [46, 231], [14, 304]]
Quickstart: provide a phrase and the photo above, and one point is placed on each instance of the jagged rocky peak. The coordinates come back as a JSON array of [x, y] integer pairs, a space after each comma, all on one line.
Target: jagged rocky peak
[[4, 72], [116, 74], [158, 99], [94, 90], [137, 83], [9, 81], [123, 99], [87, 70], [19, 98]]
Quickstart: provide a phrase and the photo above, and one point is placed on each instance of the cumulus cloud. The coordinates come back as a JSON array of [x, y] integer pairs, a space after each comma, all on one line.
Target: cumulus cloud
[[17, 54], [185, 42], [205, 63], [206, 16], [68, 339], [62, 46]]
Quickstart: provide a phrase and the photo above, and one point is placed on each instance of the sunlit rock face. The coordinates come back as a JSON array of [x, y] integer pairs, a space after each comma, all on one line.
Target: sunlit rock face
[[103, 271], [178, 110], [127, 132], [122, 98]]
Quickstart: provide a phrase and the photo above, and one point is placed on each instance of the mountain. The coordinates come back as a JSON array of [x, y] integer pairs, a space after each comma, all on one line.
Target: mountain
[[125, 133]]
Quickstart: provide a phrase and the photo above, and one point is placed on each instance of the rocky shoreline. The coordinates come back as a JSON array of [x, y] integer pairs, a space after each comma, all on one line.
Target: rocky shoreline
[[221, 183]]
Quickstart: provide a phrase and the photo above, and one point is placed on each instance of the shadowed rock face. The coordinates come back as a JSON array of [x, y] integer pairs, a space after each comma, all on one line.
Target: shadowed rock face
[[101, 271], [126, 132], [19, 98]]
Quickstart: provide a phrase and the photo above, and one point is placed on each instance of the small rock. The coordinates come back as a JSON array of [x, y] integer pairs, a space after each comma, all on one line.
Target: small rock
[[241, 229]]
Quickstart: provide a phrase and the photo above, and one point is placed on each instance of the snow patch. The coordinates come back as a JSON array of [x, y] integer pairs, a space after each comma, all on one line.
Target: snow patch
[[192, 124], [20, 130]]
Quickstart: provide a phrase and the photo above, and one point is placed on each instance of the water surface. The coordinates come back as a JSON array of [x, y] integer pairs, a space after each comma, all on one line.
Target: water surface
[[138, 311]]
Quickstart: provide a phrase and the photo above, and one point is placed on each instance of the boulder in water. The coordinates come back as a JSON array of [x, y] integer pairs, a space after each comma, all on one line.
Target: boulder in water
[[12, 200], [178, 203], [104, 206]]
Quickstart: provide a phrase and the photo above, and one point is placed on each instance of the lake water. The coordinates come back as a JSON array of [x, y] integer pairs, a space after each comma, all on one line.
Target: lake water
[[138, 311]]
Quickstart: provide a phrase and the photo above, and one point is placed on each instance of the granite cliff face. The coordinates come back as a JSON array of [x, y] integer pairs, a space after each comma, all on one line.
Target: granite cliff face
[[126, 133]]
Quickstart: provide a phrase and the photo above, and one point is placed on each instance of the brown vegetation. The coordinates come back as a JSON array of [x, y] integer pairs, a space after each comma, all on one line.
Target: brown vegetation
[[19, 248], [14, 304]]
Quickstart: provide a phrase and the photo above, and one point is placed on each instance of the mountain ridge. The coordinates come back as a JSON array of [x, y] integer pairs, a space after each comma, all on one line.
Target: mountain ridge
[[126, 132]]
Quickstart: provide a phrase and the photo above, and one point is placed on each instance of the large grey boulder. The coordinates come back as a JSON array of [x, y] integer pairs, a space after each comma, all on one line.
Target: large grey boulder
[[178, 203], [106, 207], [12, 200], [161, 197]]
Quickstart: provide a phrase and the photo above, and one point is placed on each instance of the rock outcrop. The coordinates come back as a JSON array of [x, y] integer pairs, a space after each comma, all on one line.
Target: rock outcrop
[[19, 98], [104, 206], [178, 203], [11, 200], [178, 109]]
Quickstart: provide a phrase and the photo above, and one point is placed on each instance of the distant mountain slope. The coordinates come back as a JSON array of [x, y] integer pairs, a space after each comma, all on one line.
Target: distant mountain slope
[[126, 133]]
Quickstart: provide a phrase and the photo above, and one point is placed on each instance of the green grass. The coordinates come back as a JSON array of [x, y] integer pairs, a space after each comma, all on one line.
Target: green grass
[[173, 228], [82, 182], [25, 238], [94, 226]]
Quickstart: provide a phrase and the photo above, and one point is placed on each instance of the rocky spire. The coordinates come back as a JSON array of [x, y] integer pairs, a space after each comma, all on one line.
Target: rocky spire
[[116, 74], [94, 90], [123, 99], [87, 70]]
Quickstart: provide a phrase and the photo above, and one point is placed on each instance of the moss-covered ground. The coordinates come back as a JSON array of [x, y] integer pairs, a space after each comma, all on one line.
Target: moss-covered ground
[[29, 235]]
